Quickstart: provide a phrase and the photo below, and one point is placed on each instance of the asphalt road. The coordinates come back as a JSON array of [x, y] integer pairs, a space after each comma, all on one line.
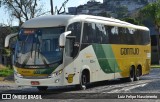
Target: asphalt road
[[148, 85]]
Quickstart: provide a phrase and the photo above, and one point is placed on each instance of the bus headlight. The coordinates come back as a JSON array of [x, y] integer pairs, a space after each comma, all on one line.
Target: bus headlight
[[54, 74]]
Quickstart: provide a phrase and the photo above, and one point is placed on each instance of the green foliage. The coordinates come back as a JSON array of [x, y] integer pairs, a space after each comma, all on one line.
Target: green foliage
[[132, 20], [121, 11], [155, 66], [152, 11], [104, 14], [6, 72]]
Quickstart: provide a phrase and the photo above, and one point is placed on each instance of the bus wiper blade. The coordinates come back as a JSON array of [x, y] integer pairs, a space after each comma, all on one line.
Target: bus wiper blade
[[44, 61], [26, 60], [31, 50]]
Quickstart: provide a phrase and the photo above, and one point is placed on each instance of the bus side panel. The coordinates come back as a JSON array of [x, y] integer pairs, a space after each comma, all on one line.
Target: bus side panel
[[87, 59], [128, 55], [82, 61], [106, 62]]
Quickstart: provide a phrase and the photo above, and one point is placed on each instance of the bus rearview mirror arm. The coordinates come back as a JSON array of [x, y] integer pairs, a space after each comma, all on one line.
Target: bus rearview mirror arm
[[8, 38]]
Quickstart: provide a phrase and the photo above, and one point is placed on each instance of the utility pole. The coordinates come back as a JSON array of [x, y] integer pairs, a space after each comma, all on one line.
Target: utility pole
[[51, 3], [0, 3]]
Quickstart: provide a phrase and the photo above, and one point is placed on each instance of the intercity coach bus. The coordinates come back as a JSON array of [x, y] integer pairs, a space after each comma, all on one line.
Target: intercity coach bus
[[62, 50]]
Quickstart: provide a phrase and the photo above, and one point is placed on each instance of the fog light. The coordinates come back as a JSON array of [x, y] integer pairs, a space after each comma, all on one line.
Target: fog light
[[57, 80]]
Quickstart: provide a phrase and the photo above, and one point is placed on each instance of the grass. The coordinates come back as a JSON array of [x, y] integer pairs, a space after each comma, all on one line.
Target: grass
[[6, 72], [155, 66]]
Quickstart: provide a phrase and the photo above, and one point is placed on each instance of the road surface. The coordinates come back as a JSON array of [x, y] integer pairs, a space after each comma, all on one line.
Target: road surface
[[148, 84]]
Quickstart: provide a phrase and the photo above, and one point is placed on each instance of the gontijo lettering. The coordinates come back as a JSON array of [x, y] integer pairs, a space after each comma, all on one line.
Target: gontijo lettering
[[129, 51]]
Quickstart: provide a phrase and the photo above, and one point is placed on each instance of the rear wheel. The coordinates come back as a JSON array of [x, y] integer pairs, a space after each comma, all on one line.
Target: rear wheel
[[42, 88], [137, 75], [131, 76]]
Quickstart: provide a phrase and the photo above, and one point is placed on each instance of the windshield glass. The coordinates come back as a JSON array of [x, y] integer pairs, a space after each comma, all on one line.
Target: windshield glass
[[39, 46]]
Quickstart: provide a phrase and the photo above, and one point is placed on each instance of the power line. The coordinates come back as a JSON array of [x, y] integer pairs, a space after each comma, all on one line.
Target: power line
[[63, 6]]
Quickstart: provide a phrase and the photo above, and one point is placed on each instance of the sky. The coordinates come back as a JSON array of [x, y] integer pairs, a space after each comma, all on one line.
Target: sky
[[4, 17]]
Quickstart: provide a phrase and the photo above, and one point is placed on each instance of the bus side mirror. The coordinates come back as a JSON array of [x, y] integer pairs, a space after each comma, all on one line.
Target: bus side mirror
[[62, 38], [8, 39]]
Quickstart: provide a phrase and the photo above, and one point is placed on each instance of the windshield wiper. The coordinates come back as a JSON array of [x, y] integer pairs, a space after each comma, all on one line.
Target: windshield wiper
[[32, 49], [38, 50], [44, 61], [26, 60]]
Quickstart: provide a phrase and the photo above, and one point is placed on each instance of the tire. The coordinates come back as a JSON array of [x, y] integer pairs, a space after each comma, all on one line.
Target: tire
[[84, 80], [83, 83], [42, 88], [137, 75], [131, 76]]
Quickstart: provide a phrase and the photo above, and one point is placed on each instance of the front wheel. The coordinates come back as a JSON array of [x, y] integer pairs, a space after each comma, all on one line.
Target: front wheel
[[83, 81], [42, 88]]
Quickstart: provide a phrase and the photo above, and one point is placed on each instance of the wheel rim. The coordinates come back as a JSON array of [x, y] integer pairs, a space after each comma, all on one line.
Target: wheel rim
[[84, 81]]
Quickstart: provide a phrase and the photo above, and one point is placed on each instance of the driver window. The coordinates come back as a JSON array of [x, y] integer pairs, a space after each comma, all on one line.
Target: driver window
[[72, 45]]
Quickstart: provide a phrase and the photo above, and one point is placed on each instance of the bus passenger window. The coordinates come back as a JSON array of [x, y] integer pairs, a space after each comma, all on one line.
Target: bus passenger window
[[101, 34], [89, 33]]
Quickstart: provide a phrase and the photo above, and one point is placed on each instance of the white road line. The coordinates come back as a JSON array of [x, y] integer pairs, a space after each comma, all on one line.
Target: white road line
[[127, 88]]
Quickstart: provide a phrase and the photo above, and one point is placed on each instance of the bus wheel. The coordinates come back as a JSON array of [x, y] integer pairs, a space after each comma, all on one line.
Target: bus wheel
[[42, 88], [83, 82], [131, 76], [137, 74], [84, 79]]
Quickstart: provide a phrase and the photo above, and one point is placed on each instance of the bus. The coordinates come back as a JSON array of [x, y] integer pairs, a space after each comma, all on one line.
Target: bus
[[63, 50]]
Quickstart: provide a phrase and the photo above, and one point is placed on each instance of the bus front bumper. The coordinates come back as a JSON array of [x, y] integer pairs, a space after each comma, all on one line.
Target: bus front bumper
[[57, 81]]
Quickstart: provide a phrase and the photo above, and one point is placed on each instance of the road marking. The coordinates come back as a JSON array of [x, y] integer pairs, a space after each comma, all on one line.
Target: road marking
[[127, 88]]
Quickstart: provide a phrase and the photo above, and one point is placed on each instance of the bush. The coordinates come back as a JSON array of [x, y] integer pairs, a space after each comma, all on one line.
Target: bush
[[6, 72]]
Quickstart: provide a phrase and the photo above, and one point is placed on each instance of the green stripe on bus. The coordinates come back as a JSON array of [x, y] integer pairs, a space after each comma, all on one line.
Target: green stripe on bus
[[46, 70], [106, 58]]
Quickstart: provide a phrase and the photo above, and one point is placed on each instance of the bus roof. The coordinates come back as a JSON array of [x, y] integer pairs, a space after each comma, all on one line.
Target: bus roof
[[64, 20], [47, 21]]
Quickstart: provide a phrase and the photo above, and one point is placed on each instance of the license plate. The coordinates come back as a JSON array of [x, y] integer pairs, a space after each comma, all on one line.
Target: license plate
[[35, 83]]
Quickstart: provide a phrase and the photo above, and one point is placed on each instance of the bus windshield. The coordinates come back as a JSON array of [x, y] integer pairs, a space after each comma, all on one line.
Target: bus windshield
[[38, 46]]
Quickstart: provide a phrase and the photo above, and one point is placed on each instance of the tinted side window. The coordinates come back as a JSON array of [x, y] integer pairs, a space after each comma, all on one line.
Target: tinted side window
[[72, 45], [101, 34], [141, 37], [89, 33], [95, 33], [122, 35], [113, 35], [145, 37], [76, 30]]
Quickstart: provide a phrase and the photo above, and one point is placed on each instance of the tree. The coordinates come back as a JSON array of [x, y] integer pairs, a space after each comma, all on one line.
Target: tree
[[104, 14], [132, 20], [23, 9], [121, 11], [153, 11], [4, 31], [5, 53]]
